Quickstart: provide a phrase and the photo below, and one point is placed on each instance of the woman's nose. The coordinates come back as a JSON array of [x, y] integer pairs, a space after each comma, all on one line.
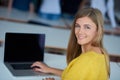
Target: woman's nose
[[80, 31]]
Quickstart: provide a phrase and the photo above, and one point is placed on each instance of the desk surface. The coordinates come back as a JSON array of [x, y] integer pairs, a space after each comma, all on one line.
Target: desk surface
[[50, 59]]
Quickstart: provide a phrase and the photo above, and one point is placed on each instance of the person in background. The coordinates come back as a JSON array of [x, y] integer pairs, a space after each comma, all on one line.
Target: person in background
[[37, 4], [106, 6], [87, 59], [50, 10], [23, 5], [70, 7]]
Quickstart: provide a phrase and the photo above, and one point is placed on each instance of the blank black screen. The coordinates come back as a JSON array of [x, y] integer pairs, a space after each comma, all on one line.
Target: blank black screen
[[24, 47]]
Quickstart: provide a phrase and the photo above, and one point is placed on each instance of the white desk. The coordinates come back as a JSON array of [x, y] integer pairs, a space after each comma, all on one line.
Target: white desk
[[14, 14], [50, 59]]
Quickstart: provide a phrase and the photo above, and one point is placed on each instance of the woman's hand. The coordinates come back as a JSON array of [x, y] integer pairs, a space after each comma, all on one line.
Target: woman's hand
[[40, 67]]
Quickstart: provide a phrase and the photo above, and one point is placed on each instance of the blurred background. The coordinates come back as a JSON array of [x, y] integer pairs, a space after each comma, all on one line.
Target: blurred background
[[60, 13]]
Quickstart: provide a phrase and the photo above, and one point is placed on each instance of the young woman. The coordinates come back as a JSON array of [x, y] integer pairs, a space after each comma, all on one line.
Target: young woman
[[86, 57]]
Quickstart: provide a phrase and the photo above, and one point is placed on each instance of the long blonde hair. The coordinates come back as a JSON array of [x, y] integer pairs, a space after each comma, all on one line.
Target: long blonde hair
[[74, 49]]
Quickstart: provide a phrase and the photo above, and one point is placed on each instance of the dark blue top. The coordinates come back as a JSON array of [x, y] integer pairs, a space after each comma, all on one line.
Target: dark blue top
[[21, 4]]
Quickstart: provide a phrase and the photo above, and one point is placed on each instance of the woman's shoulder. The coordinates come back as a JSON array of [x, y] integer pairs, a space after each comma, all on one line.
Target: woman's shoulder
[[97, 50], [95, 53]]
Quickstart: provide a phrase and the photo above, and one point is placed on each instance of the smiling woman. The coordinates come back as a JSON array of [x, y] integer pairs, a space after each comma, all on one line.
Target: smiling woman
[[86, 57], [84, 28], [86, 39]]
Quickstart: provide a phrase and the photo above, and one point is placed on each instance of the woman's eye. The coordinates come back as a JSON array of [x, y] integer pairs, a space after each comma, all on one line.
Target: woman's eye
[[87, 27], [77, 26]]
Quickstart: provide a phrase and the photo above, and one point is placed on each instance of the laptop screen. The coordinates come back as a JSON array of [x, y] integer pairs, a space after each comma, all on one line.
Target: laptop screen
[[24, 47]]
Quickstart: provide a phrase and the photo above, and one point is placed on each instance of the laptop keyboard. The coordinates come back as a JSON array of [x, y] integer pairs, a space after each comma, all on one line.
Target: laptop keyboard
[[21, 66]]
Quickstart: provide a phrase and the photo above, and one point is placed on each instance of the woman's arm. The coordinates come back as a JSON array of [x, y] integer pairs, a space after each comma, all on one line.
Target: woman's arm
[[41, 67], [56, 71]]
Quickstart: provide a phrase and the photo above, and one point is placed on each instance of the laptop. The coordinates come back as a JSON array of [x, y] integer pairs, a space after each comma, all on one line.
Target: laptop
[[21, 50]]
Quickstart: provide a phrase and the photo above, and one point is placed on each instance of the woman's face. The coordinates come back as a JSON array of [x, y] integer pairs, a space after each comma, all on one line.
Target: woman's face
[[85, 30]]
